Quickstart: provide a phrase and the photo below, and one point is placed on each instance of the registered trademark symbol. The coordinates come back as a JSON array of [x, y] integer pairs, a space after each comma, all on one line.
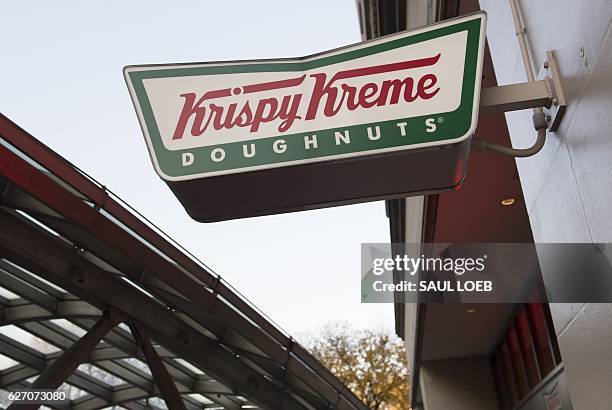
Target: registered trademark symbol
[[440, 120]]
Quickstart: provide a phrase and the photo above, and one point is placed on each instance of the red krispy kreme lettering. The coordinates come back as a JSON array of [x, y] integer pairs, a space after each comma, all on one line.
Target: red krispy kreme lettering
[[333, 95]]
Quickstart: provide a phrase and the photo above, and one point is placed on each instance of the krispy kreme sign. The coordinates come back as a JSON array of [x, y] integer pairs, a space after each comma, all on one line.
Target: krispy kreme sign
[[405, 92], [210, 119]]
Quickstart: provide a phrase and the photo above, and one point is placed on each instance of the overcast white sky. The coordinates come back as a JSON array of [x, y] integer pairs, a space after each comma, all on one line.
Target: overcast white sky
[[61, 79]]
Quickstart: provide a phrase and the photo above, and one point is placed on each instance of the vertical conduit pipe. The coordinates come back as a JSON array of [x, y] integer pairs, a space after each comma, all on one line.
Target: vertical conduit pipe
[[539, 119]]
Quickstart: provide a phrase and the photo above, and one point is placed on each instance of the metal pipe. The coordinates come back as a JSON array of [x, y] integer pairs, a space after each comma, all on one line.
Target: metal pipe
[[539, 119], [482, 144], [520, 35]]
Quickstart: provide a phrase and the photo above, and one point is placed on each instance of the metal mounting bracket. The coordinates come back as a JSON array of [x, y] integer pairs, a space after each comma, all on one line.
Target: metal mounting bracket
[[546, 92], [550, 72]]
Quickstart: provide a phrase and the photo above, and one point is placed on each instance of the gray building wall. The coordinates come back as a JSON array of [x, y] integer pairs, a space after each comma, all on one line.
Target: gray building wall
[[458, 384], [568, 186]]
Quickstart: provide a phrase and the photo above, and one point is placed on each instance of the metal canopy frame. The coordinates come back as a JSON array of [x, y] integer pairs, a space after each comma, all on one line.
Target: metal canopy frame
[[70, 249]]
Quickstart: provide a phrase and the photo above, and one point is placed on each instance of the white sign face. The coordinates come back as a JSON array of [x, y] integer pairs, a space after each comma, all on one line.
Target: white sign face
[[405, 91]]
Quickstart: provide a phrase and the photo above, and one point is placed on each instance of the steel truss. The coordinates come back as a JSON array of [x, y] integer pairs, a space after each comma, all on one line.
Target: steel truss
[[69, 249]]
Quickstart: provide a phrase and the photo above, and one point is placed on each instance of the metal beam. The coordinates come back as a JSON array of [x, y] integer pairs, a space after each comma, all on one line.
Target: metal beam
[[162, 378], [91, 384], [131, 393], [57, 373], [36, 282], [29, 312], [25, 276], [516, 96], [110, 353], [27, 291], [60, 337], [21, 353], [16, 374], [117, 337], [34, 362]]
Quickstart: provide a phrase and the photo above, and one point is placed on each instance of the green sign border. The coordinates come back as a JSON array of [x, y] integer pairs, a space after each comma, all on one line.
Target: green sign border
[[450, 125]]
